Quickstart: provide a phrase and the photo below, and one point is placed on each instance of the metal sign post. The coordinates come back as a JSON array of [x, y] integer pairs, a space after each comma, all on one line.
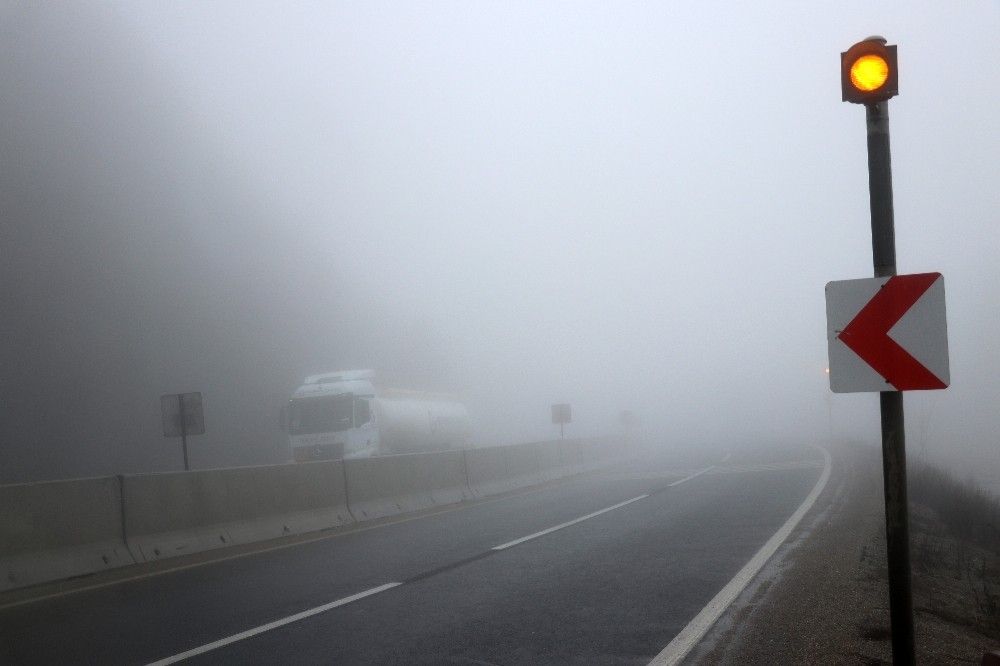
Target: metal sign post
[[627, 419], [897, 522], [184, 436]]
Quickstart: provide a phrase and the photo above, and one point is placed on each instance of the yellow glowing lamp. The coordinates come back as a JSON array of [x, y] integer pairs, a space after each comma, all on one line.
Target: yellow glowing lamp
[[868, 72]]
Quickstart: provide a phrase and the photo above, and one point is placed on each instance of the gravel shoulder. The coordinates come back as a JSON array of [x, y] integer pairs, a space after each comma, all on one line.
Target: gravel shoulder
[[823, 598]]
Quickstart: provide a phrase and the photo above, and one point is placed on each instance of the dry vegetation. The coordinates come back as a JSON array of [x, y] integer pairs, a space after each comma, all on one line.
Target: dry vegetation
[[955, 551]]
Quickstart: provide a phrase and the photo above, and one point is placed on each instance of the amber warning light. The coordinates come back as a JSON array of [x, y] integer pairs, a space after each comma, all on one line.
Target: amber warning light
[[868, 72]]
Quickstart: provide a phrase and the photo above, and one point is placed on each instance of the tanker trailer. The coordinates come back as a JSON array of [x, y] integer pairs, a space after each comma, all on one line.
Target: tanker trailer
[[344, 415]]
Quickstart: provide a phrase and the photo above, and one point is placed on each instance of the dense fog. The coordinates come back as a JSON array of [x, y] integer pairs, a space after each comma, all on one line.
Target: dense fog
[[613, 205]]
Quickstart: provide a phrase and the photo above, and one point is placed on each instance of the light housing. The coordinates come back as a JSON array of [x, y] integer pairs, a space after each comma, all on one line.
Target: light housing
[[868, 72]]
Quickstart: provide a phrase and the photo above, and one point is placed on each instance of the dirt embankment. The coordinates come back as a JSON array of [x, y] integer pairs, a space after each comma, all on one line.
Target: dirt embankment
[[824, 597]]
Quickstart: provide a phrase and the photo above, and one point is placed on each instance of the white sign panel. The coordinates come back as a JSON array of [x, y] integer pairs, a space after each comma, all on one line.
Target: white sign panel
[[887, 334]]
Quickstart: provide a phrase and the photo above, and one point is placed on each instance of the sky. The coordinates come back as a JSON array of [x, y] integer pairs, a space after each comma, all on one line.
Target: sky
[[629, 205]]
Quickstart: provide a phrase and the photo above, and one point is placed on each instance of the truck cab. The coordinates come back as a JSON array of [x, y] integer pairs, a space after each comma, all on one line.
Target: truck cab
[[331, 416]]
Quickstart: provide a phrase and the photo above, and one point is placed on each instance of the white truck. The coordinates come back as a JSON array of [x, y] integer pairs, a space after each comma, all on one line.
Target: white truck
[[343, 415]]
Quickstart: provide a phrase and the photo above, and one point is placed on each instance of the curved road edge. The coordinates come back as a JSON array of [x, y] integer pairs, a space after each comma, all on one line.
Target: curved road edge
[[685, 641]]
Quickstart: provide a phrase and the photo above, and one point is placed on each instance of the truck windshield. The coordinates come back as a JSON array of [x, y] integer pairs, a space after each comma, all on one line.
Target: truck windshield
[[315, 415]]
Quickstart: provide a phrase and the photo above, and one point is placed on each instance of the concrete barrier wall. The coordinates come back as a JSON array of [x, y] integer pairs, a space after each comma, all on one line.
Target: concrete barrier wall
[[487, 471], [60, 529], [571, 452], [390, 485], [549, 460], [444, 473], [523, 465], [178, 513], [503, 468], [599, 451]]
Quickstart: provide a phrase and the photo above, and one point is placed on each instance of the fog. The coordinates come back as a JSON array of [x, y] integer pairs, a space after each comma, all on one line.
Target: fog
[[614, 205]]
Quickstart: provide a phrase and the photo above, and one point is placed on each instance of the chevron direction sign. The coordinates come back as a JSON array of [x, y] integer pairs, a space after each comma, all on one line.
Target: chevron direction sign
[[887, 334]]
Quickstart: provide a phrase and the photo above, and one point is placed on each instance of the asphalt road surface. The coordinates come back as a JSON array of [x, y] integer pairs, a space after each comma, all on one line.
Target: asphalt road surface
[[602, 569]]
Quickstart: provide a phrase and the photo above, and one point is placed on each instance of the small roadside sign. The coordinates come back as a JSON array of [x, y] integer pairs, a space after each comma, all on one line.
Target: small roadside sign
[[182, 415], [561, 414]]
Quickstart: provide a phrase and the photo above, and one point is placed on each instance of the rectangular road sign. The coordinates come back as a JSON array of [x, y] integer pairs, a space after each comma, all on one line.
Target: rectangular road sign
[[193, 422], [562, 414], [887, 334]]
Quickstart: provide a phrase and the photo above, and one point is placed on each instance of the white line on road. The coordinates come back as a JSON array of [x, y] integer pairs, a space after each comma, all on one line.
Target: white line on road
[[693, 476], [375, 590], [596, 513], [696, 629], [273, 625], [564, 525]]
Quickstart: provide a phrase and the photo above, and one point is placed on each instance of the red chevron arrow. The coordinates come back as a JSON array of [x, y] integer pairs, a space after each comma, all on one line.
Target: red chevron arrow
[[868, 333]]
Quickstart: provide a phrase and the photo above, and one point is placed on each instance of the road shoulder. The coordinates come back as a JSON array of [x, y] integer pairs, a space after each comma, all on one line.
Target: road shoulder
[[817, 601], [824, 598]]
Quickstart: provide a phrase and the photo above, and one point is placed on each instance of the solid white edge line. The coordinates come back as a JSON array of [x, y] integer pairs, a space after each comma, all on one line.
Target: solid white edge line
[[699, 626], [564, 525], [272, 625]]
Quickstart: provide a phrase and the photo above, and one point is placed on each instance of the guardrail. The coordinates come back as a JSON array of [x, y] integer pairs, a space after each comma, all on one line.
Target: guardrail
[[62, 529]]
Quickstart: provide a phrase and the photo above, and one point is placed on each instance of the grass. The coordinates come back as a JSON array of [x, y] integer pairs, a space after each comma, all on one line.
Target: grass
[[970, 513], [955, 549]]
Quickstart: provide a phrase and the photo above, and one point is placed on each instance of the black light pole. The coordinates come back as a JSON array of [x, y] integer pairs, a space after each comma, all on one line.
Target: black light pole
[[869, 76], [897, 524]]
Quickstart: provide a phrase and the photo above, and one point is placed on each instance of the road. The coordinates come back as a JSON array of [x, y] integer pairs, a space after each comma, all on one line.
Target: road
[[602, 569]]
